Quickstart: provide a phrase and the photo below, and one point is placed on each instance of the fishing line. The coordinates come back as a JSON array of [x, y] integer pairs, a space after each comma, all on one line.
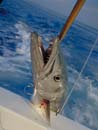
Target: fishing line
[[27, 87], [83, 67]]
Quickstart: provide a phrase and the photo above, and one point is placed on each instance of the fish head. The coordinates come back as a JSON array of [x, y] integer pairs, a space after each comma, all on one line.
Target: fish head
[[49, 72]]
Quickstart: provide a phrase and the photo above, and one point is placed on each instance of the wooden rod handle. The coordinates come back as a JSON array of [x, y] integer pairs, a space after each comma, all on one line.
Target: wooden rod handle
[[71, 18]]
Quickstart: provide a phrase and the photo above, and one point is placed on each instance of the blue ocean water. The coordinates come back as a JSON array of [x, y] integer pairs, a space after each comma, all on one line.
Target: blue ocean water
[[23, 17]]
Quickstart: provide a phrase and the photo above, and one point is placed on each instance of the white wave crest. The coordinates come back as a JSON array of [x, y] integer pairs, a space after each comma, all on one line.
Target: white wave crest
[[24, 33]]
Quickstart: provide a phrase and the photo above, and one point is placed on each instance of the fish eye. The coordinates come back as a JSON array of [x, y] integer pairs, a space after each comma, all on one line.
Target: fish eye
[[57, 78]]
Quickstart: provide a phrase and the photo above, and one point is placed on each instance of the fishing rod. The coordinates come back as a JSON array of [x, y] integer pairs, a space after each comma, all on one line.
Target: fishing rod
[[75, 11]]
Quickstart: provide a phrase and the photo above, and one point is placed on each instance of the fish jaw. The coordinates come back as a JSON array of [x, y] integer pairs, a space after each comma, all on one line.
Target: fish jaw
[[36, 55], [41, 105]]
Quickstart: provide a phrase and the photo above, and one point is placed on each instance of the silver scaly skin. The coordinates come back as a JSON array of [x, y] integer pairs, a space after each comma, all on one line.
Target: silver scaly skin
[[50, 76]]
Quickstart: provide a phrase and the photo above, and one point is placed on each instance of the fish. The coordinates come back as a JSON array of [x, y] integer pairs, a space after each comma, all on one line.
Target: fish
[[49, 75], [50, 71]]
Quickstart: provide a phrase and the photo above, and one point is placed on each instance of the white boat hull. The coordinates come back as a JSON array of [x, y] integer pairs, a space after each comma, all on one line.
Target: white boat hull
[[17, 114]]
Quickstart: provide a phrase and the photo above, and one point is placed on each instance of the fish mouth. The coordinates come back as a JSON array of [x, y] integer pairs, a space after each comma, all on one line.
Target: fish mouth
[[43, 58], [44, 53]]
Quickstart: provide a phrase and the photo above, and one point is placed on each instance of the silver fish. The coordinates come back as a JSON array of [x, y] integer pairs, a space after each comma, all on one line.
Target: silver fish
[[49, 69], [50, 76]]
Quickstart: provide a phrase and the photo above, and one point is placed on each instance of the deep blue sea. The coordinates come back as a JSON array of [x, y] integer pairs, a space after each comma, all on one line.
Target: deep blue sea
[[22, 18]]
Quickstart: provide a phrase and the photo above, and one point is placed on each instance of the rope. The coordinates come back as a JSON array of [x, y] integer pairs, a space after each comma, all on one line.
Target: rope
[[84, 65]]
